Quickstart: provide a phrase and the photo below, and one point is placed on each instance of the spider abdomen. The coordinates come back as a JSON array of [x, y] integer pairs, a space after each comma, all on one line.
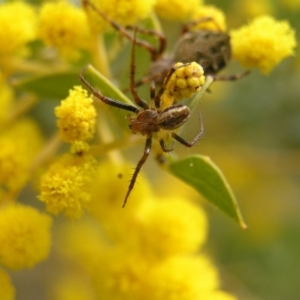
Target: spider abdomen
[[145, 122], [173, 117], [211, 49]]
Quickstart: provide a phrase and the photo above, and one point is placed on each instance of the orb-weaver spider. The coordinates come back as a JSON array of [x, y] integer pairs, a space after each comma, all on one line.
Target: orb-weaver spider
[[209, 48], [149, 119]]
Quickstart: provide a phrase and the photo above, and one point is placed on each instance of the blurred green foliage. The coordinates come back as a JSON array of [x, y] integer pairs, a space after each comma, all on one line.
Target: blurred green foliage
[[253, 135]]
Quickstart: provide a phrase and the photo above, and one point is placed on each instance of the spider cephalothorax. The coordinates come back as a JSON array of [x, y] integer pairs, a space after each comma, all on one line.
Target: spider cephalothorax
[[149, 119]]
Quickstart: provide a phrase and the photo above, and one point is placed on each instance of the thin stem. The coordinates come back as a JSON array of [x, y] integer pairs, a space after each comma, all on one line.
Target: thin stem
[[106, 136], [123, 143], [20, 107], [99, 55], [35, 67], [47, 152]]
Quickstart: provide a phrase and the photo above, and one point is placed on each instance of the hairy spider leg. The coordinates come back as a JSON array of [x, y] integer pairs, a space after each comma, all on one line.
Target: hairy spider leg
[[152, 91], [155, 53], [164, 147], [187, 27], [231, 77], [134, 93], [146, 79], [105, 99], [147, 151], [194, 140], [143, 104], [148, 143]]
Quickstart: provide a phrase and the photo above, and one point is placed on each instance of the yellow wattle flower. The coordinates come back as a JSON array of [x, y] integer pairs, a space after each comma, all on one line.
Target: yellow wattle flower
[[181, 277], [65, 187], [6, 99], [24, 236], [172, 226], [7, 290], [217, 22], [176, 9], [263, 43], [76, 116], [14, 35], [56, 28], [19, 144], [124, 12]]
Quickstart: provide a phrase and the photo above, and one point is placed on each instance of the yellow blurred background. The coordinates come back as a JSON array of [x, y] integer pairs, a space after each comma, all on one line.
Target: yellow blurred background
[[252, 132]]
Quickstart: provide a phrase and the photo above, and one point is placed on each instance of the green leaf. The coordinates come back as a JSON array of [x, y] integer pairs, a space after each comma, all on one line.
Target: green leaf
[[108, 89], [201, 173], [105, 86], [49, 86]]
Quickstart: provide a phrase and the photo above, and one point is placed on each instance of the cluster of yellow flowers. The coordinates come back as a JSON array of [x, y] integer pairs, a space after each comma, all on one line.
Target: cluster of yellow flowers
[[250, 42], [15, 35], [111, 248], [186, 81], [138, 242], [76, 117]]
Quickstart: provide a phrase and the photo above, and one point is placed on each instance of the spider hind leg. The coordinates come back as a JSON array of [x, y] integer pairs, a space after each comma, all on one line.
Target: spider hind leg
[[137, 170], [194, 140]]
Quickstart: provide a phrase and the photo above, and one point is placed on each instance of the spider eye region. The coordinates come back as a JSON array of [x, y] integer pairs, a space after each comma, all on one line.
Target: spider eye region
[[173, 117]]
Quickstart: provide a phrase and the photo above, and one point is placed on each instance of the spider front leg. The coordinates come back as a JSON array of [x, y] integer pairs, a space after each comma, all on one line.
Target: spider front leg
[[187, 27], [138, 167], [134, 93], [231, 77], [155, 53], [193, 141], [105, 99]]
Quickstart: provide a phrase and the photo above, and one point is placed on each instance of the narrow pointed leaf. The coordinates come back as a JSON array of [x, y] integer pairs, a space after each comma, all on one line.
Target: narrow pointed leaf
[[105, 85], [202, 174], [108, 89]]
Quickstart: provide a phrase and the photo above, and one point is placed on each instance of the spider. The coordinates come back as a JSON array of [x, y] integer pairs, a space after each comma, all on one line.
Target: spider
[[149, 119], [210, 48]]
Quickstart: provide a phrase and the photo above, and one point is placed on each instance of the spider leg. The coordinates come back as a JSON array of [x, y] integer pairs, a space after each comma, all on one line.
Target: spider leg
[[194, 140], [134, 93], [104, 99], [138, 167], [158, 71], [152, 93], [155, 53], [187, 27], [164, 146], [146, 79], [231, 77]]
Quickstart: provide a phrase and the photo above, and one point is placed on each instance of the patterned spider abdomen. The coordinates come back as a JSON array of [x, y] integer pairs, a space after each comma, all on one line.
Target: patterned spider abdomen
[[211, 49], [173, 117]]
